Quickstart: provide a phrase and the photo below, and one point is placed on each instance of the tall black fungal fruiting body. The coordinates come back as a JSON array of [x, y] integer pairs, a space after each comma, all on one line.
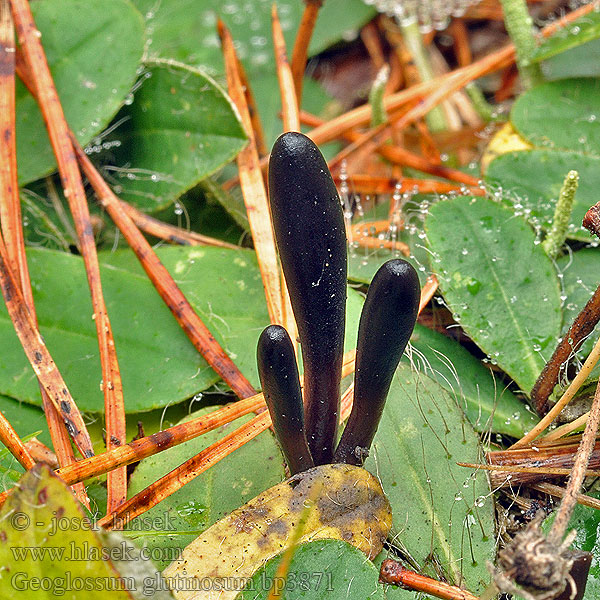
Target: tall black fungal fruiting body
[[309, 229], [281, 387], [386, 324]]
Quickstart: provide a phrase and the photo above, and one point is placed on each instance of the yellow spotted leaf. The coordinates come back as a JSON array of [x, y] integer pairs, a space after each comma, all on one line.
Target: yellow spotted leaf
[[348, 504]]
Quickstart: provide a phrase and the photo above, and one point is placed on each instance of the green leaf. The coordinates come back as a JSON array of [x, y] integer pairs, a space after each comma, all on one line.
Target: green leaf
[[320, 570], [181, 517], [560, 115], [580, 278], [158, 363], [42, 516], [93, 48], [484, 400], [559, 119], [441, 510], [581, 61], [531, 181], [575, 34], [509, 306], [180, 128]]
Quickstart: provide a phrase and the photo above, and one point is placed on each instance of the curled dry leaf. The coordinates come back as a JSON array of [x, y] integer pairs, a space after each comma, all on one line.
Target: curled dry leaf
[[352, 507]]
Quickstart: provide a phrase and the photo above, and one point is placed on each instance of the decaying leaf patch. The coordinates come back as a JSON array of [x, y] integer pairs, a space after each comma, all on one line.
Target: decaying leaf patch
[[351, 507]]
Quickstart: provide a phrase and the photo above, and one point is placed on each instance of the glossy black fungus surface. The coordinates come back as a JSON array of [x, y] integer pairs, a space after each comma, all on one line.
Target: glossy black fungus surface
[[281, 387], [309, 229], [386, 324]]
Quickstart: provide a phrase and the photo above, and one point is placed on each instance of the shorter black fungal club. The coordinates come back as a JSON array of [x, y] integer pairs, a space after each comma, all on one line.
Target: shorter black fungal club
[[309, 228]]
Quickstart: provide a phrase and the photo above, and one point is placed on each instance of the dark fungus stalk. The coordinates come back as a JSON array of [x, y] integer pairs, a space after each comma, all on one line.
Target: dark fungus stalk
[[386, 324], [309, 229], [281, 387]]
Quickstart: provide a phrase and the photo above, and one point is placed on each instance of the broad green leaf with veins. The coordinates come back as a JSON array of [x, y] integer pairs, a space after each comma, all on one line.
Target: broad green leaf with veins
[[509, 306], [441, 511], [487, 404]]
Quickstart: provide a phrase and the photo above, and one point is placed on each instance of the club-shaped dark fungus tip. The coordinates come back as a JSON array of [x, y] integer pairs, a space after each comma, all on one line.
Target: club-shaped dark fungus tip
[[309, 228], [386, 324], [280, 382]]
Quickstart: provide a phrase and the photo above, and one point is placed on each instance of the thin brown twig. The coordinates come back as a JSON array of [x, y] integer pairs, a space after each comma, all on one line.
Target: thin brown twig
[[12, 228], [559, 492], [393, 573], [366, 235], [462, 48], [58, 132], [165, 285], [567, 396], [565, 429], [428, 291], [459, 100], [41, 453], [10, 206], [287, 91], [257, 129], [401, 156], [40, 359], [171, 233], [553, 456], [368, 142], [178, 477], [578, 473], [552, 28], [582, 326], [300, 51], [531, 470], [158, 442], [10, 438], [253, 187], [153, 444], [369, 36]]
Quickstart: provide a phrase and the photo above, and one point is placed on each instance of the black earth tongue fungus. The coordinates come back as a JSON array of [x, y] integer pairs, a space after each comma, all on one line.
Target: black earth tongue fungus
[[386, 324], [309, 229], [281, 387]]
